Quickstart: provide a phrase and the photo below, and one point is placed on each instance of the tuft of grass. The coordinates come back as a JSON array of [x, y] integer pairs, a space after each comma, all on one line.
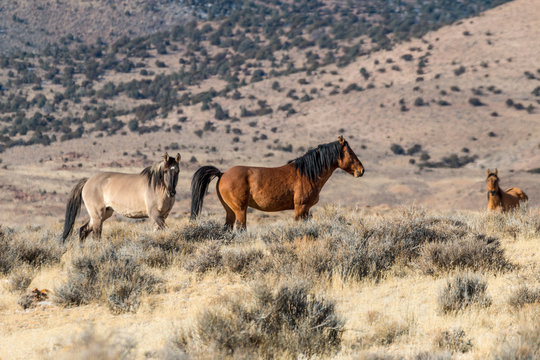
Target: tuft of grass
[[453, 340], [32, 247], [388, 332], [20, 278], [241, 260], [206, 258], [162, 249], [432, 356], [110, 273], [200, 230], [520, 223], [287, 323], [524, 295], [290, 231], [472, 252], [463, 291]]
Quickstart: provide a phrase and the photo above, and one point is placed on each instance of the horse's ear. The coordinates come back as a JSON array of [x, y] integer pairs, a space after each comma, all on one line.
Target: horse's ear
[[341, 140], [166, 157], [178, 157], [488, 172], [496, 172]]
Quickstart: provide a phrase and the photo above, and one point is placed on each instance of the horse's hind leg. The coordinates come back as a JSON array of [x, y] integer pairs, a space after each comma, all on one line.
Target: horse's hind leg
[[241, 220], [239, 210], [230, 217], [84, 231], [97, 217]]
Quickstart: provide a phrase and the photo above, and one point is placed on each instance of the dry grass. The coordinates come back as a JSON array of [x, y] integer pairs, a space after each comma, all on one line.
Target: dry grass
[[89, 344], [345, 284], [525, 343]]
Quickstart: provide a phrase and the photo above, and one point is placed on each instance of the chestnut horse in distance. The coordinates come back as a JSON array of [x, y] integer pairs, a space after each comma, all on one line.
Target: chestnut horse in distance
[[295, 185], [502, 200], [148, 194]]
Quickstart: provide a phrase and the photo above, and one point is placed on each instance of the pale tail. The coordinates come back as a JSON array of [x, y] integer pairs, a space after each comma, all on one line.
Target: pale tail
[[199, 186], [73, 207]]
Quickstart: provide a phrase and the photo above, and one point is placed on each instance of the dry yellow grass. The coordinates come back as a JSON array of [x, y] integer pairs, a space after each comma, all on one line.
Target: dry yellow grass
[[396, 313]]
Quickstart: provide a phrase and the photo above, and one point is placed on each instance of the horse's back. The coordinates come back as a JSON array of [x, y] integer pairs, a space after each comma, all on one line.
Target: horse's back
[[253, 175], [518, 193], [125, 193], [114, 182]]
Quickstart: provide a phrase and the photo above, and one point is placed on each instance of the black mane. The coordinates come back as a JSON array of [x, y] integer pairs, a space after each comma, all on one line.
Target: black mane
[[154, 175], [313, 163]]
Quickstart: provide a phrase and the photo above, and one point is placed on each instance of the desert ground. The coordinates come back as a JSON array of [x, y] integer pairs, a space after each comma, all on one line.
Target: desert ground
[[388, 293]]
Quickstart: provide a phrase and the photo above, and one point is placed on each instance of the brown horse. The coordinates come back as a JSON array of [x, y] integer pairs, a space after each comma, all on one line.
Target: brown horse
[[295, 185], [503, 200], [148, 194]]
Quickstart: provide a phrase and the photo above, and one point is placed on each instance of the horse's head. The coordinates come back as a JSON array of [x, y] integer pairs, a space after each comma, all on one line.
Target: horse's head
[[492, 182], [171, 169], [349, 162]]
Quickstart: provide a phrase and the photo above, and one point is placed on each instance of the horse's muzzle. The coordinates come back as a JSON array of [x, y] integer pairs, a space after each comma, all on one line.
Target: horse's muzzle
[[358, 173], [171, 194]]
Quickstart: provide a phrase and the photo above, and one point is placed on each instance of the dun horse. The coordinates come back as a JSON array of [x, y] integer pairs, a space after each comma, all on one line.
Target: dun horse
[[148, 194], [295, 185], [504, 200]]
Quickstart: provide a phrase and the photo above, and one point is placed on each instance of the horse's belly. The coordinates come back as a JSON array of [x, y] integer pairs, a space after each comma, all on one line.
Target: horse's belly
[[130, 208], [133, 213], [271, 204]]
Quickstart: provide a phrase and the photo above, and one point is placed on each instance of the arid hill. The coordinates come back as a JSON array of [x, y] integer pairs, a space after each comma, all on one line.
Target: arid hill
[[427, 117], [29, 25]]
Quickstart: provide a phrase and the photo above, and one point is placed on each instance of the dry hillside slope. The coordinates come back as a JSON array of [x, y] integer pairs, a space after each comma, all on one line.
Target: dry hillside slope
[[465, 94], [30, 25]]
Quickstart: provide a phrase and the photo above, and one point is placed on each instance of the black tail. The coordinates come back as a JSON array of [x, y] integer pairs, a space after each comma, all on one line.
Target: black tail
[[73, 207], [199, 186]]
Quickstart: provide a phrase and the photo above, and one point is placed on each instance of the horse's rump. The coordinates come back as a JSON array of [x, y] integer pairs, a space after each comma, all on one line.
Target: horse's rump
[[517, 192]]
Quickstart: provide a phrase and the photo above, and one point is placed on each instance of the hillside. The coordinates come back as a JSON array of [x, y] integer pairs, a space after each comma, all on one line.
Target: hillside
[[458, 100], [31, 25]]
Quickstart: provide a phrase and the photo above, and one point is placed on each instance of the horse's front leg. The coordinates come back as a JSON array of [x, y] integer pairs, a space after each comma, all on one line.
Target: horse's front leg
[[301, 212], [158, 218]]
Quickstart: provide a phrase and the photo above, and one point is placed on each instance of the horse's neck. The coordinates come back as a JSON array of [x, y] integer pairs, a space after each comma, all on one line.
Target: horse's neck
[[323, 178]]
